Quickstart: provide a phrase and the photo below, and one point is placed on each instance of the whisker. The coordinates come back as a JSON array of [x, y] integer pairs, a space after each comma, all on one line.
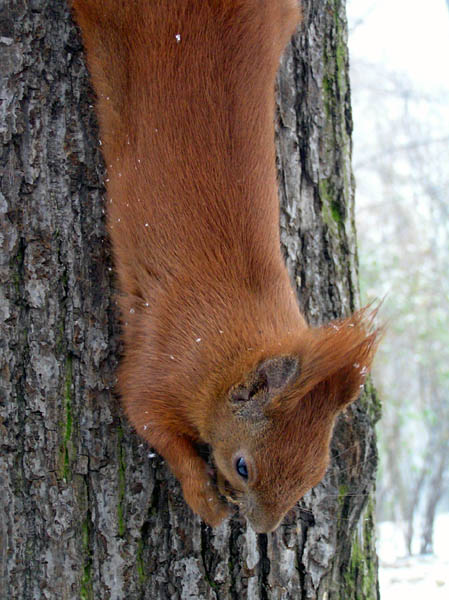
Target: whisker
[[349, 495], [370, 459], [345, 451]]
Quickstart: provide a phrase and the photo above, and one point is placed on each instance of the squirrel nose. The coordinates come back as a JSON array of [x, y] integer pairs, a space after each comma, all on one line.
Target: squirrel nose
[[264, 523]]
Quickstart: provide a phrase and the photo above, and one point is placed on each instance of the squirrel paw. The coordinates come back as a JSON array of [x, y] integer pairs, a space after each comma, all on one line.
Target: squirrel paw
[[201, 495]]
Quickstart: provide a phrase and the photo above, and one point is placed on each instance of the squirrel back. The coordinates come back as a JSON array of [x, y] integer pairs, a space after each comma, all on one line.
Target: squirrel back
[[216, 350]]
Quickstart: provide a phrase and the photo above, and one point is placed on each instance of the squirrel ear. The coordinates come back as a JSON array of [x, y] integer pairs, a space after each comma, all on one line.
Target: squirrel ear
[[336, 361], [345, 385], [278, 373], [268, 380]]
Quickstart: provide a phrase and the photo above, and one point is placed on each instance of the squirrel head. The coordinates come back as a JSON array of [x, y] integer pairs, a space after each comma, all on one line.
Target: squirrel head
[[272, 433]]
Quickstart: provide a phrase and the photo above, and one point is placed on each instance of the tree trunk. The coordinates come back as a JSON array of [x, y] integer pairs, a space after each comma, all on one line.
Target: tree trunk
[[87, 510], [434, 495]]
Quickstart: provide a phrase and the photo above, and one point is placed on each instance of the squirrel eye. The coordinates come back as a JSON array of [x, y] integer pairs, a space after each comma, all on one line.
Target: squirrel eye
[[241, 467]]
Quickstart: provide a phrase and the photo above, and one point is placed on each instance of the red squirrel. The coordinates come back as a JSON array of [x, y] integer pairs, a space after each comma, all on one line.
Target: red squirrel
[[216, 350]]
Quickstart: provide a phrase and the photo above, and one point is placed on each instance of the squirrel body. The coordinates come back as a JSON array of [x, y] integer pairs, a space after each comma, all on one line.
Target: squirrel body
[[216, 350]]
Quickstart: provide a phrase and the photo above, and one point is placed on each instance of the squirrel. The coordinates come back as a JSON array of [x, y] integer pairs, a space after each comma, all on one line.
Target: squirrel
[[216, 350]]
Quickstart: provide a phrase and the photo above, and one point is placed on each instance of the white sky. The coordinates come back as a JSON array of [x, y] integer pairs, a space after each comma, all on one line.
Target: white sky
[[407, 38], [406, 35]]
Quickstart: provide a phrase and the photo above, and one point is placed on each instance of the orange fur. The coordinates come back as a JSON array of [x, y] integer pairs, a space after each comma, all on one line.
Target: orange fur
[[216, 349]]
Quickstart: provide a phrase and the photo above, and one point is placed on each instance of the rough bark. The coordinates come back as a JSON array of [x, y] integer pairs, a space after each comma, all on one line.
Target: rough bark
[[87, 510]]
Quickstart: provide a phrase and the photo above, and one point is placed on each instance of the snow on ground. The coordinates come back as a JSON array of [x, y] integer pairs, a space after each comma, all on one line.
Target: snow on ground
[[413, 577]]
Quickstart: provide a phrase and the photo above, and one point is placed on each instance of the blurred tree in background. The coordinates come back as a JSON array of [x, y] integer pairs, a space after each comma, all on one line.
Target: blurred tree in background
[[401, 163]]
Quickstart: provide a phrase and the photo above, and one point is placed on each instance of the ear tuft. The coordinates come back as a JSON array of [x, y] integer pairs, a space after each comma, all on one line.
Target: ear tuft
[[335, 360]]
